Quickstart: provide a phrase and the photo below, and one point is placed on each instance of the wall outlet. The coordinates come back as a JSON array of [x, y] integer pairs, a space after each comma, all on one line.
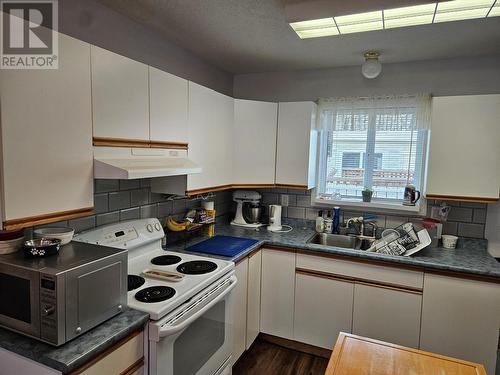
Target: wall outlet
[[284, 200]]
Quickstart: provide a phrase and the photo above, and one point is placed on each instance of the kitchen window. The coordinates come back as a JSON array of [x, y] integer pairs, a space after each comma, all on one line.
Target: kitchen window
[[378, 143]]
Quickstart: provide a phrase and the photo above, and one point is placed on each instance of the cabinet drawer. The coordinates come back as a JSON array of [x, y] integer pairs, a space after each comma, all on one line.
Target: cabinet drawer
[[119, 360], [362, 271]]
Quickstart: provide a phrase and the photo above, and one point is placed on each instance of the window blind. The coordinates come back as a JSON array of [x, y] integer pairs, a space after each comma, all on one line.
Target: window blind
[[375, 143]]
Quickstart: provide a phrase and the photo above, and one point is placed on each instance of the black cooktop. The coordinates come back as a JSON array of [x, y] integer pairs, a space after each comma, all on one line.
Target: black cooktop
[[166, 260], [196, 267], [134, 282], [155, 294]]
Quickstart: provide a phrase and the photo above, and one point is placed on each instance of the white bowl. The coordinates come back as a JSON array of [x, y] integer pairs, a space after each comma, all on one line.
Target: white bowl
[[61, 233], [11, 246]]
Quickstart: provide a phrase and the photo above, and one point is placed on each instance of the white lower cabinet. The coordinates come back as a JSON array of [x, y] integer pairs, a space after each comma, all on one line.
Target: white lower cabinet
[[278, 293], [460, 318], [323, 308], [239, 300], [387, 314], [253, 297]]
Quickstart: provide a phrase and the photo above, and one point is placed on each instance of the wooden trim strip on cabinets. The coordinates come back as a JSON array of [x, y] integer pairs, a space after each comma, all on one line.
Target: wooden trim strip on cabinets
[[134, 367], [119, 142], [107, 352], [190, 193], [291, 186], [176, 145], [27, 222], [253, 186], [461, 198], [378, 284]]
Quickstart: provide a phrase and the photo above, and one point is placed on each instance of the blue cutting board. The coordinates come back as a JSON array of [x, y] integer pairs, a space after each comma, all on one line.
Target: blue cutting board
[[223, 245]]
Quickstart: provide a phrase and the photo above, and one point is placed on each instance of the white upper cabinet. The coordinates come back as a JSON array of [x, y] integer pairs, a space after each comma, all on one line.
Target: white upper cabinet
[[254, 142], [120, 97], [211, 116], [46, 119], [168, 97], [296, 137], [464, 154]]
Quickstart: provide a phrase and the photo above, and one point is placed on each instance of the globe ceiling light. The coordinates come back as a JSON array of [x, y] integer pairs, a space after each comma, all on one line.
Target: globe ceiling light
[[371, 68]]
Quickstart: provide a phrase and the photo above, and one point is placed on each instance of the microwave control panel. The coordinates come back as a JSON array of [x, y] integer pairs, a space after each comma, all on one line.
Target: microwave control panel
[[48, 308]]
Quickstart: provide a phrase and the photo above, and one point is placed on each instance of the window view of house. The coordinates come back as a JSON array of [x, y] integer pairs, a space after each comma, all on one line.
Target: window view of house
[[380, 148]]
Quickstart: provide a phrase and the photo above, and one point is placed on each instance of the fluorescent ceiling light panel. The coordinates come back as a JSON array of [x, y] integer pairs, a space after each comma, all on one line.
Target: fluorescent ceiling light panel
[[315, 28], [443, 11], [315, 33], [409, 16], [457, 10], [495, 11], [356, 23]]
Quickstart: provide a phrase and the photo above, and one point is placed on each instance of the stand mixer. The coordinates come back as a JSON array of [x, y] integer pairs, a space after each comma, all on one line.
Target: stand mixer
[[248, 209]]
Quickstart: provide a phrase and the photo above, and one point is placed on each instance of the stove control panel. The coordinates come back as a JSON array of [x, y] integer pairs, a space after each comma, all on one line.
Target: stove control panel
[[125, 235], [121, 236]]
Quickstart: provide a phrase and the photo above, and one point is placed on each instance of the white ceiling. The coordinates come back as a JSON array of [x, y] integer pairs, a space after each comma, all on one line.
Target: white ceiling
[[248, 36]]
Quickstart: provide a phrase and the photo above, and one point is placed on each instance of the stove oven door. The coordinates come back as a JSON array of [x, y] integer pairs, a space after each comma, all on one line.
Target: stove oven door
[[196, 338]]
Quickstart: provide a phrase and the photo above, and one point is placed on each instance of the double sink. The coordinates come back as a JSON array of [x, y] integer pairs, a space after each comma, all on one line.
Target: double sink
[[339, 240]]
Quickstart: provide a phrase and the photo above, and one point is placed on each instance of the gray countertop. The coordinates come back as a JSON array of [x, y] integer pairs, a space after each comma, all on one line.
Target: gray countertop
[[79, 351], [470, 257]]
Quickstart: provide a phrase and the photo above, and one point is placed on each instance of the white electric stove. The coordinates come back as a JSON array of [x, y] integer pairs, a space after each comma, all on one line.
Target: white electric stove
[[187, 297]]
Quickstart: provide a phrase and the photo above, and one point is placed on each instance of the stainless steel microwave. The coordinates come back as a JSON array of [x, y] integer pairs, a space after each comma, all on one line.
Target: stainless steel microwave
[[57, 298]]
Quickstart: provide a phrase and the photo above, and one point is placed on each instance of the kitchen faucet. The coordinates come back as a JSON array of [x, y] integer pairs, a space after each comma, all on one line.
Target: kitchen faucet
[[360, 220]]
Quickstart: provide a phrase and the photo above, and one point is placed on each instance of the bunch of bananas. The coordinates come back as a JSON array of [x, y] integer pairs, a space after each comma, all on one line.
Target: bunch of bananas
[[175, 226]]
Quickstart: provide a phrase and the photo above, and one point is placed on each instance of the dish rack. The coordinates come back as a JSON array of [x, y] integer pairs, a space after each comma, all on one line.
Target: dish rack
[[402, 240]]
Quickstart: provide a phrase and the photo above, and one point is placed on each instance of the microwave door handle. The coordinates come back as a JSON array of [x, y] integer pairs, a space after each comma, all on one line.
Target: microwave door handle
[[170, 330]]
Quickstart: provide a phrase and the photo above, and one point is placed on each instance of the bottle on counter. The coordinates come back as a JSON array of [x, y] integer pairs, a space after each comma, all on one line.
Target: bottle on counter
[[320, 222], [329, 222], [336, 220]]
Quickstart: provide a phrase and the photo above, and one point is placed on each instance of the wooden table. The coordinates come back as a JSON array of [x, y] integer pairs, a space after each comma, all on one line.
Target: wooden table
[[356, 355]]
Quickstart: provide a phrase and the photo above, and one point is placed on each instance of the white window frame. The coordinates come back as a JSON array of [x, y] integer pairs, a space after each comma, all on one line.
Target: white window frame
[[379, 204]]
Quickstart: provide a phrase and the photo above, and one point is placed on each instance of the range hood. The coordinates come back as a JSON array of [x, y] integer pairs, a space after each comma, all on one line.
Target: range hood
[[132, 163]]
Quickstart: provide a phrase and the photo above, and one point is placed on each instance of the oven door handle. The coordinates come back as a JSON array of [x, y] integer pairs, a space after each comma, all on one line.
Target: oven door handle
[[170, 330]]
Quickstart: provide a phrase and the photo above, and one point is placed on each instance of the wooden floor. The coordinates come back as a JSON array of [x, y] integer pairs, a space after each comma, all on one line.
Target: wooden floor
[[264, 358]]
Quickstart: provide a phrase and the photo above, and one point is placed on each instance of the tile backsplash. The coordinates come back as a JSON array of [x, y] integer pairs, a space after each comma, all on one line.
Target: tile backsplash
[[465, 219], [118, 200]]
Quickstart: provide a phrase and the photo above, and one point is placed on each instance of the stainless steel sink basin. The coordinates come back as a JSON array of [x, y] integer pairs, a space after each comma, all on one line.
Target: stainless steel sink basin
[[339, 240]]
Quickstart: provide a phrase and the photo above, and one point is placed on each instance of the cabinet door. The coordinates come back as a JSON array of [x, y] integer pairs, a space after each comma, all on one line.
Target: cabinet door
[[277, 293], [168, 96], [120, 98], [387, 314], [323, 309], [46, 119], [239, 298], [253, 298], [254, 153], [211, 116], [296, 123], [460, 318], [464, 147]]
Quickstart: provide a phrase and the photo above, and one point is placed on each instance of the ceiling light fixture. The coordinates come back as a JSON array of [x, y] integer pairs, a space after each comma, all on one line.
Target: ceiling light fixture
[[371, 68], [423, 14]]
